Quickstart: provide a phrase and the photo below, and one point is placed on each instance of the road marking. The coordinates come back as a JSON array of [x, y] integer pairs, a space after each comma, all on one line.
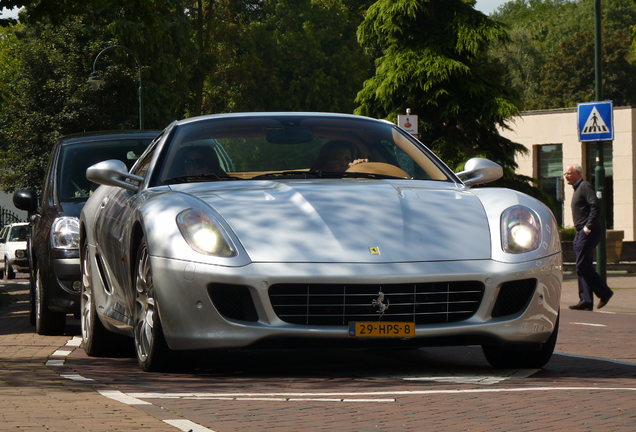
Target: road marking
[[61, 353], [463, 378], [588, 324], [343, 395], [288, 399], [76, 377], [187, 426], [75, 341], [55, 363], [122, 397], [620, 362]]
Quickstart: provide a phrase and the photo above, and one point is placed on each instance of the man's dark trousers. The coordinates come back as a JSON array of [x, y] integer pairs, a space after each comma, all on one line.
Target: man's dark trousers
[[589, 281]]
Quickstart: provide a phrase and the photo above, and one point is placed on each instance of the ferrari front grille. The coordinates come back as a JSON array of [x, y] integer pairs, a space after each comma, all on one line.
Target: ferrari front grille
[[335, 304]]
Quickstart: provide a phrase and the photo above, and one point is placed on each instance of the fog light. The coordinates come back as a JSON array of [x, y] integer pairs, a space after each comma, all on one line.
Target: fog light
[[77, 285]]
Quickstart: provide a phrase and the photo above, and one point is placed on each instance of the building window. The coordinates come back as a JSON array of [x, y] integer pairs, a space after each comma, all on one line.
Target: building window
[[550, 176], [608, 194]]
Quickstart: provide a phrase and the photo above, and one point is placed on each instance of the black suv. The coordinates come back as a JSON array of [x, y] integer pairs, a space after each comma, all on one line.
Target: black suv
[[53, 248]]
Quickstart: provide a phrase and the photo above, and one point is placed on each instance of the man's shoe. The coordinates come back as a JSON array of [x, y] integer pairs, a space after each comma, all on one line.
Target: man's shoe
[[582, 306], [604, 301]]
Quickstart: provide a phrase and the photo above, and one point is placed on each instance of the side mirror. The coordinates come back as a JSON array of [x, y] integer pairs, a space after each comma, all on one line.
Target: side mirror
[[113, 173], [26, 200], [480, 171]]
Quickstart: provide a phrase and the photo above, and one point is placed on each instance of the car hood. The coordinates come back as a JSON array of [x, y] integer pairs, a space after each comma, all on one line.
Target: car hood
[[350, 220]]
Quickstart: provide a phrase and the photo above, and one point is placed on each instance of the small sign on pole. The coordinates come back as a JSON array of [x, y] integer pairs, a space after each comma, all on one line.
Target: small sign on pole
[[595, 121], [408, 122]]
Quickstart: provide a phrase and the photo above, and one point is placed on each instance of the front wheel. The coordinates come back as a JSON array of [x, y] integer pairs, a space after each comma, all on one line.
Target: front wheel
[[510, 358], [152, 351], [47, 322]]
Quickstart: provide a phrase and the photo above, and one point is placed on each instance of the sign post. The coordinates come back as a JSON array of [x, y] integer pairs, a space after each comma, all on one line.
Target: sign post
[[408, 122], [596, 124]]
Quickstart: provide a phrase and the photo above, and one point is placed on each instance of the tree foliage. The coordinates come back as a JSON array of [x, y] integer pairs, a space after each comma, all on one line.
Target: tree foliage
[[431, 57], [550, 57], [49, 96]]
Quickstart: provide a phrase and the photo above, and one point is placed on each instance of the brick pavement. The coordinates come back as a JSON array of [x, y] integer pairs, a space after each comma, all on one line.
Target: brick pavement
[[34, 396]]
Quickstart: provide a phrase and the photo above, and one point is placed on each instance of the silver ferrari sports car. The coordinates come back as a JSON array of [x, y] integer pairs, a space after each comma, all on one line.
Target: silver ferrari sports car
[[285, 229]]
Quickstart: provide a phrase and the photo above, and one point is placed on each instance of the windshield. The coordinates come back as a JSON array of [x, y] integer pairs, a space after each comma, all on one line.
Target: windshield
[[19, 233], [295, 147], [72, 184]]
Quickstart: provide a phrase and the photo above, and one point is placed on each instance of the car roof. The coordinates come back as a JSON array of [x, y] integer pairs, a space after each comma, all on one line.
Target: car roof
[[106, 135], [17, 224], [283, 113]]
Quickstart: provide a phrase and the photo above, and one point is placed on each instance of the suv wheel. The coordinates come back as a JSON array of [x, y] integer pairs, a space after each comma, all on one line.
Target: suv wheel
[[47, 322], [8, 270]]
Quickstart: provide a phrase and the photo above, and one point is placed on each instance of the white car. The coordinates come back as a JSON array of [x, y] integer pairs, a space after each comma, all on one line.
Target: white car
[[13, 245]]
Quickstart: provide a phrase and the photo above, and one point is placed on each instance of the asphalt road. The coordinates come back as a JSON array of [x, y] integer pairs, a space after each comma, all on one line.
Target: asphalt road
[[48, 383]]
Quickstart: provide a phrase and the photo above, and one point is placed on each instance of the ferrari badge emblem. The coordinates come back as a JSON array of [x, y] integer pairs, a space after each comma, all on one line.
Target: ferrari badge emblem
[[379, 304], [375, 250]]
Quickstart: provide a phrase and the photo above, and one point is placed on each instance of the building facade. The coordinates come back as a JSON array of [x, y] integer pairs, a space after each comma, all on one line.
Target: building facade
[[551, 138]]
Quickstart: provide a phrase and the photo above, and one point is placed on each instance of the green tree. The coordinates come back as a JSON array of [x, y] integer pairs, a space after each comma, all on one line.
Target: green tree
[[431, 57], [49, 94], [9, 63], [291, 55], [568, 76], [550, 54]]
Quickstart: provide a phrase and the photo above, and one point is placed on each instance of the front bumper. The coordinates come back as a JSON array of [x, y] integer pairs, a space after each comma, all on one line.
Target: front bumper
[[191, 321], [63, 285]]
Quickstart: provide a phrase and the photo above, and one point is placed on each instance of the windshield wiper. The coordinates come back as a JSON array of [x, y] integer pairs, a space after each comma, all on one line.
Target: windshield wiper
[[199, 178], [325, 174], [295, 174], [348, 174]]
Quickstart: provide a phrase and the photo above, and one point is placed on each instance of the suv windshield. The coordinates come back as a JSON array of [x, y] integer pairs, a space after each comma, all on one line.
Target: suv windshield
[[72, 184], [281, 146]]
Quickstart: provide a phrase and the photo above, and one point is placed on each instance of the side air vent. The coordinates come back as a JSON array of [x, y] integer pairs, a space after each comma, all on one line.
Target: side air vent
[[514, 297]]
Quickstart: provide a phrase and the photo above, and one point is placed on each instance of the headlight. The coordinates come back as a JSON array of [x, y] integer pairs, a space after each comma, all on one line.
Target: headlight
[[65, 233], [520, 230], [203, 235], [20, 253]]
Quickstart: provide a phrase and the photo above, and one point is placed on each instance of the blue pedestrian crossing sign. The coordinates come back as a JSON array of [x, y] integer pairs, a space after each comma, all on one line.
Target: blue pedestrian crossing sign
[[595, 121]]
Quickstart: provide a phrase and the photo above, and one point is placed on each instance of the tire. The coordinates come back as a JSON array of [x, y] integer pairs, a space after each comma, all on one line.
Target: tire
[[47, 322], [511, 358], [96, 340], [32, 297], [4, 272], [8, 270], [151, 348]]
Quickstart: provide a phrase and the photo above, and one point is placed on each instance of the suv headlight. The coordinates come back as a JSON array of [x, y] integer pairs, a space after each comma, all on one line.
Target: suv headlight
[[520, 230], [65, 233], [203, 235]]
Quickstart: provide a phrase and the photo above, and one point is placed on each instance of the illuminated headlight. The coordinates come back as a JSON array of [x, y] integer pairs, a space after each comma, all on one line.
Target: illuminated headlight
[[520, 230], [65, 233], [203, 235]]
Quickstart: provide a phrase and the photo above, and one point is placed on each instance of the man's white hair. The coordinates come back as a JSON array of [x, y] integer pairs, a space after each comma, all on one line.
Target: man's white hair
[[576, 167]]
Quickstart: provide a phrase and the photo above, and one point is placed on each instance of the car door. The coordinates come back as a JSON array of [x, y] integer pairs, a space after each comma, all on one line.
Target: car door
[[113, 226]]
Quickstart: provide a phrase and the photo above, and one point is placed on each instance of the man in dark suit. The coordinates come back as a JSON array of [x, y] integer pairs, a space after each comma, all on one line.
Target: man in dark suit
[[586, 215]]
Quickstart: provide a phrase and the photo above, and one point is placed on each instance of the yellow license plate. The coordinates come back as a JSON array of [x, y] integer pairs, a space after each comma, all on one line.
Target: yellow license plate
[[381, 329]]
